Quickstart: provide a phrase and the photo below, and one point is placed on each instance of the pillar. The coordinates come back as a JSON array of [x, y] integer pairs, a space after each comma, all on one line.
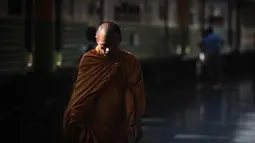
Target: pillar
[[28, 25], [28, 36], [44, 35], [166, 27], [58, 24], [202, 16], [183, 6], [101, 11], [238, 25], [230, 24], [58, 31]]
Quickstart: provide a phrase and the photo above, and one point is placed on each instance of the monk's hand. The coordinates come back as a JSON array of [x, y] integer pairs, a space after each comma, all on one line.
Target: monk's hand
[[138, 134]]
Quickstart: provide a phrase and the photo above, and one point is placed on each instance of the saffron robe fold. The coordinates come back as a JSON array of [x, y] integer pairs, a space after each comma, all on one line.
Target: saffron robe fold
[[107, 99]]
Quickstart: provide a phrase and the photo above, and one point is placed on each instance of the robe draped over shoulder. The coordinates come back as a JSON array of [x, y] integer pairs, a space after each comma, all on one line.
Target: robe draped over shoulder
[[107, 98]]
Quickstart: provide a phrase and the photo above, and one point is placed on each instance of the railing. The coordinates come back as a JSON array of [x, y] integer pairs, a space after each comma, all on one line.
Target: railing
[[11, 45]]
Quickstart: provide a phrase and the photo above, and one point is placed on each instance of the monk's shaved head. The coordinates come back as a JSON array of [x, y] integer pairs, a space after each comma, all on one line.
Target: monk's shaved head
[[108, 37], [109, 30]]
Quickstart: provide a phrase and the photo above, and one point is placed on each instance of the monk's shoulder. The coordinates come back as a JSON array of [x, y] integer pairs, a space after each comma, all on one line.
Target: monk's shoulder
[[130, 61], [129, 56], [90, 53], [87, 56]]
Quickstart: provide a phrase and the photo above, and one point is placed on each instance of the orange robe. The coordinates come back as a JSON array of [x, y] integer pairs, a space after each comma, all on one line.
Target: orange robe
[[107, 100]]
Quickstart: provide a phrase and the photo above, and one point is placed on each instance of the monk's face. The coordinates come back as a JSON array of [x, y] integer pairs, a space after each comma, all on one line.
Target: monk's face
[[106, 44]]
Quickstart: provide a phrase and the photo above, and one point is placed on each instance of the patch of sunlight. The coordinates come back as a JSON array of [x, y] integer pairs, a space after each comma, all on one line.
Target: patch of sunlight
[[197, 136]]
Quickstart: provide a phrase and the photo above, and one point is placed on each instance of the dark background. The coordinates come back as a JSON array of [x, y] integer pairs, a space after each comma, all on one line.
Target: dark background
[[33, 99]]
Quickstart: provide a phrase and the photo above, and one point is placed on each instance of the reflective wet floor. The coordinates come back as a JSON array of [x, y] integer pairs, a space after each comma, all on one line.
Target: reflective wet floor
[[205, 116], [179, 114]]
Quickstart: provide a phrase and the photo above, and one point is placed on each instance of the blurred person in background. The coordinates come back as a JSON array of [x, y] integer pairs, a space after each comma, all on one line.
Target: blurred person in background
[[91, 39], [108, 99], [211, 46]]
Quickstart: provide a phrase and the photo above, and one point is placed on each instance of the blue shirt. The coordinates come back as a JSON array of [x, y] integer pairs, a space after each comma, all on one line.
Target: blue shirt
[[212, 43]]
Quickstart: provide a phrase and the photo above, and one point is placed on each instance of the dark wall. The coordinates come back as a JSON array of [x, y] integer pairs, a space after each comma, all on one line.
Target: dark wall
[[11, 44]]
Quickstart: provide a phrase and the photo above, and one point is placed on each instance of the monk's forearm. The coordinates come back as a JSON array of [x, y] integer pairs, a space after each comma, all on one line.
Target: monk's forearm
[[140, 102], [140, 110]]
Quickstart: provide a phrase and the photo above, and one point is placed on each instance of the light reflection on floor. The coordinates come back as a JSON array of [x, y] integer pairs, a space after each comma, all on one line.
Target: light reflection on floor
[[176, 115], [224, 116]]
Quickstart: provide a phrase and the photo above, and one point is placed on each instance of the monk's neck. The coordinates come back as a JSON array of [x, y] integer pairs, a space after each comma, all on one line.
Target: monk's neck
[[114, 55], [112, 52]]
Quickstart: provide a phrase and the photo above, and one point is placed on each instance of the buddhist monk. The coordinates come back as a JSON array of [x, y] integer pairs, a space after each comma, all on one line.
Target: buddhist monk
[[108, 98]]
